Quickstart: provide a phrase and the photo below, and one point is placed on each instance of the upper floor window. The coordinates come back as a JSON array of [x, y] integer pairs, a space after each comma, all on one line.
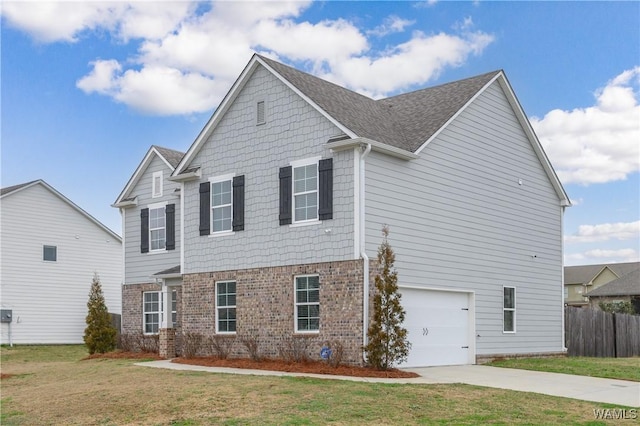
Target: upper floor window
[[307, 303], [221, 205], [509, 310], [50, 253], [156, 185], [305, 192], [226, 307], [157, 228], [260, 113]]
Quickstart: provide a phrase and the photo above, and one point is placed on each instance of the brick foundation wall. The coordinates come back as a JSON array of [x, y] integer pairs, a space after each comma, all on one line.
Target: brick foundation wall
[[265, 306]]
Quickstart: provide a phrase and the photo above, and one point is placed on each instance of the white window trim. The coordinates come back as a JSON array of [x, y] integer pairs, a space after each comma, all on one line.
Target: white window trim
[[216, 179], [296, 304], [301, 163], [153, 207], [515, 306], [153, 185], [144, 313], [226, 307]]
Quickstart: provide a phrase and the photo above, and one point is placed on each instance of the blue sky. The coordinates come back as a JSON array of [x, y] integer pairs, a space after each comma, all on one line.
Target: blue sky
[[88, 87]]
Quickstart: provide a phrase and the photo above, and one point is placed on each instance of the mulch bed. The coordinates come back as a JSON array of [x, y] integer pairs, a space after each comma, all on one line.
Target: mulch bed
[[315, 367], [124, 355], [5, 376]]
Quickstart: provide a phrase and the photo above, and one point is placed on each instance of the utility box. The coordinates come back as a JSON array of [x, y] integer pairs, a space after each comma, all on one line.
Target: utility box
[[6, 315]]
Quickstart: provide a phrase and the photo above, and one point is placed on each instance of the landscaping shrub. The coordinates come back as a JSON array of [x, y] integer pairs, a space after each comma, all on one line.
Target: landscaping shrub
[[252, 346], [99, 336], [221, 345], [295, 349], [191, 344]]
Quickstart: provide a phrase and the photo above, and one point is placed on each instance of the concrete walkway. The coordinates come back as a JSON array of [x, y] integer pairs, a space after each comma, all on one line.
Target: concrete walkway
[[618, 392]]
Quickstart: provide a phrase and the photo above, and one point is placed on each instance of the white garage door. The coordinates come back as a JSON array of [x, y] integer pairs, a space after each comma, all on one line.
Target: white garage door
[[438, 327]]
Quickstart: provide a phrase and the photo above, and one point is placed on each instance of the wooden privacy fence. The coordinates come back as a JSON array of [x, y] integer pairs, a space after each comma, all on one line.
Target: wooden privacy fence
[[591, 332]]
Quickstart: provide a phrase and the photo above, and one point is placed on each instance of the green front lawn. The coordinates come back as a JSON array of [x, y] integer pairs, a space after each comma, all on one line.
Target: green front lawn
[[52, 385], [610, 368]]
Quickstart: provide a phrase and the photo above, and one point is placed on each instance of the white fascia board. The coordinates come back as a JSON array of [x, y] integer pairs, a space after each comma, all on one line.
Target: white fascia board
[[535, 142], [220, 111], [129, 203], [375, 146], [138, 173]]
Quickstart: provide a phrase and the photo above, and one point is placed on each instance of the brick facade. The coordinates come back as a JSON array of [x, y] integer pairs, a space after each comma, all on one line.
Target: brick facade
[[265, 306]]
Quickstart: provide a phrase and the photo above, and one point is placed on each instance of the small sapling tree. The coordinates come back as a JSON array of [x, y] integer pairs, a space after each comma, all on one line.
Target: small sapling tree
[[100, 335], [388, 343]]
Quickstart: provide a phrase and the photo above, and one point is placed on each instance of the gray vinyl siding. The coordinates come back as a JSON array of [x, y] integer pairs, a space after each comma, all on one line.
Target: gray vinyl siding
[[459, 219], [293, 131], [49, 299], [140, 266]]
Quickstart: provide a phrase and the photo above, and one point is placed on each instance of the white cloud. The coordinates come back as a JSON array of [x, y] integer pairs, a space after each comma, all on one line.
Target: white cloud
[[605, 232], [392, 24], [603, 256], [189, 54], [597, 144]]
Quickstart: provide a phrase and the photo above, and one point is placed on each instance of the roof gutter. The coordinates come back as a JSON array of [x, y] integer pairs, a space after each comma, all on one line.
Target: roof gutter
[[363, 254], [375, 145]]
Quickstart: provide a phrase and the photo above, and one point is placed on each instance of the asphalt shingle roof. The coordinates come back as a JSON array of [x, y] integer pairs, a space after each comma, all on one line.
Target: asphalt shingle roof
[[173, 270], [626, 285], [583, 274], [405, 121], [171, 155]]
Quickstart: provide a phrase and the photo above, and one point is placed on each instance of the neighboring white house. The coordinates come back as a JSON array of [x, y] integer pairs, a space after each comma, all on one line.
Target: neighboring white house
[[50, 249]]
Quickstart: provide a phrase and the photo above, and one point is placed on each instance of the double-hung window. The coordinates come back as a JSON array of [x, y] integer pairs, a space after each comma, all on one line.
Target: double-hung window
[[221, 205], [151, 310], [307, 303], [157, 228], [509, 310], [305, 192], [226, 307]]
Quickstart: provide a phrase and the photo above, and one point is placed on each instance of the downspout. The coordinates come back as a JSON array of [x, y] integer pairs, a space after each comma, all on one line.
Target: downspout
[[363, 254]]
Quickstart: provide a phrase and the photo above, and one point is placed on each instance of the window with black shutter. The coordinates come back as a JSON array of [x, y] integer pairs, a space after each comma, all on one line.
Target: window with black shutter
[[205, 211], [144, 231], [170, 215], [325, 174], [238, 203], [285, 195]]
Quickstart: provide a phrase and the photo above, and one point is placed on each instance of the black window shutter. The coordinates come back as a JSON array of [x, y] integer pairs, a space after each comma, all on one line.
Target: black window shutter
[[325, 174], [205, 207], [144, 231], [238, 203], [285, 195], [170, 217]]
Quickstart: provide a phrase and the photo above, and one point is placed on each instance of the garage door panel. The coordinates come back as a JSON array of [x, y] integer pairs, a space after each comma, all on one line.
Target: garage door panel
[[437, 323]]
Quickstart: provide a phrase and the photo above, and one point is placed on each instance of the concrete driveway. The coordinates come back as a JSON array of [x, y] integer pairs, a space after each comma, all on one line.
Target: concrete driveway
[[618, 392]]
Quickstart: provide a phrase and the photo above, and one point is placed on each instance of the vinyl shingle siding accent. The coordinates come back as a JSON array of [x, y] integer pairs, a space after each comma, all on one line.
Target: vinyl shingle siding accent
[[294, 131], [462, 220]]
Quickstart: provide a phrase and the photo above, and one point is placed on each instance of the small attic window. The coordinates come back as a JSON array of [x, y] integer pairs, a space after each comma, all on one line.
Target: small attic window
[[260, 114]]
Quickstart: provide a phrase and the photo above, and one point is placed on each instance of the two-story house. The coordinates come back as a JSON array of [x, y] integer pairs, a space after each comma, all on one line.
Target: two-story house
[[281, 199]]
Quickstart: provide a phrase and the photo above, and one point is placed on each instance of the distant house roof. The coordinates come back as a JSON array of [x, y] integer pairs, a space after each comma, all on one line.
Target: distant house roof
[[10, 190], [584, 274], [626, 285], [171, 158], [400, 125]]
